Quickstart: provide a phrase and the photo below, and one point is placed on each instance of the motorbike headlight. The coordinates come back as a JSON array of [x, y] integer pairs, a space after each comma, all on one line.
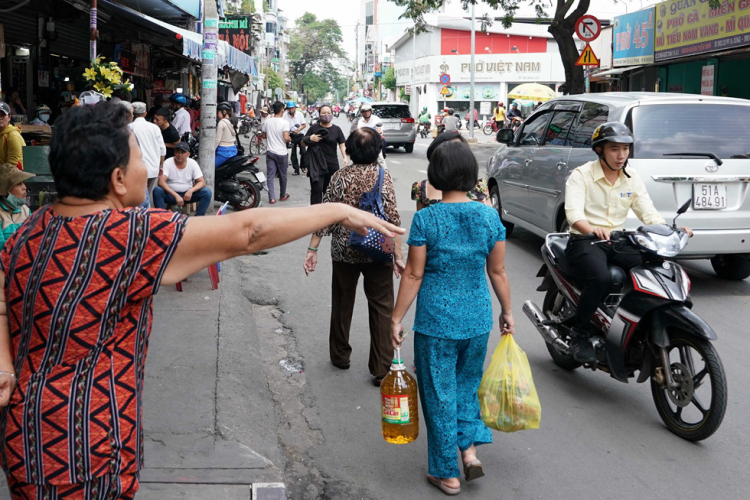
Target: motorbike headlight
[[646, 242], [669, 246]]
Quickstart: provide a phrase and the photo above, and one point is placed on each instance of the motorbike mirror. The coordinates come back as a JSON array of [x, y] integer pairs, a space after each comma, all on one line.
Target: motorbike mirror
[[504, 136], [680, 211]]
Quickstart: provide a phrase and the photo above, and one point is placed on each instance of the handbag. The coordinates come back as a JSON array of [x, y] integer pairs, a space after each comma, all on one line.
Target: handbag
[[375, 245]]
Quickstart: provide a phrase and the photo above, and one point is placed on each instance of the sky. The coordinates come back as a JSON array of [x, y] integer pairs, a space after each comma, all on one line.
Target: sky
[[346, 12]]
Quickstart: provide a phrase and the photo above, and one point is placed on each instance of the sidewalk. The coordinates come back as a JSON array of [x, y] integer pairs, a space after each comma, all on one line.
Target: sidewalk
[[209, 419]]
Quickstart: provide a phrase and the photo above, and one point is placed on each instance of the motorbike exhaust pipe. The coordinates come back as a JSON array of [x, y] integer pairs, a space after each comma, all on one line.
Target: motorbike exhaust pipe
[[549, 334]]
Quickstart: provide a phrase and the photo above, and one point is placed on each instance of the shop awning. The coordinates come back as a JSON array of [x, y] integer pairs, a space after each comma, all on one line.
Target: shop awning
[[616, 71], [191, 42]]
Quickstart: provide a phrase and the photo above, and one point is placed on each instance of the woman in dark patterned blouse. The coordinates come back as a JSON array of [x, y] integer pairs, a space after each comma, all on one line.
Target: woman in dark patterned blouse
[[347, 186], [76, 286]]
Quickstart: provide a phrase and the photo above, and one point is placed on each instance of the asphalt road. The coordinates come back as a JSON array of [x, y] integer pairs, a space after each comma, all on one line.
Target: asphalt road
[[599, 438]]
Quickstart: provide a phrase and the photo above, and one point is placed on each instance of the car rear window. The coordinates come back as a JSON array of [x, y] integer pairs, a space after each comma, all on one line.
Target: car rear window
[[691, 128], [391, 111]]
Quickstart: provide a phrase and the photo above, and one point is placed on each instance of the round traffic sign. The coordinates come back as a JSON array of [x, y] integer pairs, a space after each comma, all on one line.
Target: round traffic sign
[[445, 79], [588, 28]]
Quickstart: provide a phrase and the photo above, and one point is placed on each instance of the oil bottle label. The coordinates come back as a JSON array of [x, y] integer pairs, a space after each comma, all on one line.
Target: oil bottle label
[[395, 409]]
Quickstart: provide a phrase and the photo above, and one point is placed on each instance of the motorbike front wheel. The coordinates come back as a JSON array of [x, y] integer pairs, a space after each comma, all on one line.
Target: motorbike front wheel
[[487, 129], [253, 199], [699, 378], [554, 306]]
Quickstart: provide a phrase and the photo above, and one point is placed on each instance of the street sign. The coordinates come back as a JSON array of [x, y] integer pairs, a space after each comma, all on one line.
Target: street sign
[[588, 28], [407, 89], [445, 90], [445, 78], [587, 58]]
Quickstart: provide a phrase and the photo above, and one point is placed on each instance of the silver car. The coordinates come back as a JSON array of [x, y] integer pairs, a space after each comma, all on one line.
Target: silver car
[[686, 147], [399, 127]]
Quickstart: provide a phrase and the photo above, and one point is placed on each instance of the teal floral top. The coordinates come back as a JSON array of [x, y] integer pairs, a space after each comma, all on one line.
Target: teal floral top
[[454, 299]]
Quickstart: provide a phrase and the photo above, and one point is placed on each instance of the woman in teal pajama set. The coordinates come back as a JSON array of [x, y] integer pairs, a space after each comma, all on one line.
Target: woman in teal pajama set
[[449, 245]]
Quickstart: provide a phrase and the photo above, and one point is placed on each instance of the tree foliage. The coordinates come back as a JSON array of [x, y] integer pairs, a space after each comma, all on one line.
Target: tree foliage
[[316, 50], [561, 15], [389, 79], [274, 80]]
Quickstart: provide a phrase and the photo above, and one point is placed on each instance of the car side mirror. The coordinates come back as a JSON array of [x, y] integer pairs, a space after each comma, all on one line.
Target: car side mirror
[[504, 136]]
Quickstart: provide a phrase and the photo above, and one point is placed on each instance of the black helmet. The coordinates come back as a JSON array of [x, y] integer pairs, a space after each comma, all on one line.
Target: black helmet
[[224, 106], [611, 132]]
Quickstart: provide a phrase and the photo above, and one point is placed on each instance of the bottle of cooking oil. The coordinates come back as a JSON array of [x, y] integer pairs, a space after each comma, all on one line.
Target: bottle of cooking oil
[[398, 392]]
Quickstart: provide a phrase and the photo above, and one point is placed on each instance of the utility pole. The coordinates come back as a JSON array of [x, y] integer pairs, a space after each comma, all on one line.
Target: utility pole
[[413, 91], [92, 31], [471, 99], [207, 155], [356, 69]]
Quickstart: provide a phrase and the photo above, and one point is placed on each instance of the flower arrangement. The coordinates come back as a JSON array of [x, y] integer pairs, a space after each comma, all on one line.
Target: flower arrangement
[[106, 77]]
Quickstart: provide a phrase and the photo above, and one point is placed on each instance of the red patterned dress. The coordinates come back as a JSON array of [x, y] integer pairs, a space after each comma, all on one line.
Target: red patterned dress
[[79, 295]]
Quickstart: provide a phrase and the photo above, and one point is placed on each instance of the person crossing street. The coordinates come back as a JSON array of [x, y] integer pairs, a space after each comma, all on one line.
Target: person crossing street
[[276, 132]]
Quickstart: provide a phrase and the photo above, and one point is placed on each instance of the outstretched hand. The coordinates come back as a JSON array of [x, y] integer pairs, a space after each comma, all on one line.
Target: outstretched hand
[[360, 221], [7, 384]]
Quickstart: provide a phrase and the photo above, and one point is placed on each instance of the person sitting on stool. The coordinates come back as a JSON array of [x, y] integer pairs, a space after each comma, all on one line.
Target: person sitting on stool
[[182, 182]]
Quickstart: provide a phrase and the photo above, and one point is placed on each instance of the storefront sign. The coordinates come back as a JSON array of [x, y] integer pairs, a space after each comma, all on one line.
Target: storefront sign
[[485, 108], [235, 31], [707, 80], [543, 67], [633, 38], [126, 59], [689, 27]]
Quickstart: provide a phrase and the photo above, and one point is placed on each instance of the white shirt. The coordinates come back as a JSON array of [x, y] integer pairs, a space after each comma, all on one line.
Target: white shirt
[[182, 121], [294, 121], [274, 129], [182, 179], [152, 144], [374, 122]]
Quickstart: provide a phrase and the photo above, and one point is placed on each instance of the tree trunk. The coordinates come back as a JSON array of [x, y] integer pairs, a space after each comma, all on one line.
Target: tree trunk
[[574, 80]]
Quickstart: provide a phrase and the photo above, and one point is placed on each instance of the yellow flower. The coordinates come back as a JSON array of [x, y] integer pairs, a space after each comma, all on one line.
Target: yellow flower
[[112, 64], [90, 74], [104, 89], [99, 59], [106, 73]]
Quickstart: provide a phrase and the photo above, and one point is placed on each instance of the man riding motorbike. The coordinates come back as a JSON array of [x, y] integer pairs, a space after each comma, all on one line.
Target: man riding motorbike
[[598, 196], [424, 118], [515, 116]]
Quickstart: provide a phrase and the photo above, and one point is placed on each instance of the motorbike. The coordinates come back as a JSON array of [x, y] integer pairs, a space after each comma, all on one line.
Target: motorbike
[[644, 324], [423, 129], [336, 113], [515, 123], [490, 127], [238, 180]]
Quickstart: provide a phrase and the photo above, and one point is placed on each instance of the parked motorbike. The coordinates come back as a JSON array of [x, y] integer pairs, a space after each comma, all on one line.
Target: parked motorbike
[[238, 180], [644, 324], [423, 129]]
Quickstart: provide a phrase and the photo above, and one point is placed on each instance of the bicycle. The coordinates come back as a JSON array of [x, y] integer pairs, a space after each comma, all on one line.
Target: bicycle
[[258, 145]]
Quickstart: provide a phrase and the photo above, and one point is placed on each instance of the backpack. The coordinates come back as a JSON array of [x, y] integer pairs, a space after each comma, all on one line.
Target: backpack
[[375, 245]]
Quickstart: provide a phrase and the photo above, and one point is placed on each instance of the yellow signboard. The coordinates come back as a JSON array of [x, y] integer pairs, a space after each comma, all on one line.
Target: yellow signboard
[[445, 90], [689, 27], [587, 58]]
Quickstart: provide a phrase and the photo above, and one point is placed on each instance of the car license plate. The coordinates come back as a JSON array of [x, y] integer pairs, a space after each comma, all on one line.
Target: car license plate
[[391, 126], [709, 196], [261, 176]]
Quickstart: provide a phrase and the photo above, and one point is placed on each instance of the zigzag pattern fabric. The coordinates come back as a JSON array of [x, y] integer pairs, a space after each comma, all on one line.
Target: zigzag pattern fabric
[[79, 293]]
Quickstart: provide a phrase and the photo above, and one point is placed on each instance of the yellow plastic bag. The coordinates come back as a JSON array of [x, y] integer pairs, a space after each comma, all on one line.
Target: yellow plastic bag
[[507, 395]]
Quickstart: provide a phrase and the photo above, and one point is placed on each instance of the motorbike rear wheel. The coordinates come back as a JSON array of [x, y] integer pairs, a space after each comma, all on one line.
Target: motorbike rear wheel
[[683, 409], [487, 129], [253, 199], [554, 302]]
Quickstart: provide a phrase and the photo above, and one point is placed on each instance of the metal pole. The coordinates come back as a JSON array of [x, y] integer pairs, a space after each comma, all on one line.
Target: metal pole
[[356, 56], [471, 99], [207, 155], [412, 90], [92, 31]]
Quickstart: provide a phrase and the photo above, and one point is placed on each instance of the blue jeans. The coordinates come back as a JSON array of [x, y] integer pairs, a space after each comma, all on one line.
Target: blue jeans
[[223, 153], [202, 197]]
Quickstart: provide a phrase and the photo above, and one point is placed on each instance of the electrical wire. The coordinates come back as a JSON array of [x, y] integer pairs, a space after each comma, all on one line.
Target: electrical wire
[[11, 9]]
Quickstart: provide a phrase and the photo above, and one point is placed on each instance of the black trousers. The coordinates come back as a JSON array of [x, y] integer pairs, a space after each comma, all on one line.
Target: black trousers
[[379, 292], [296, 139], [319, 187], [590, 262]]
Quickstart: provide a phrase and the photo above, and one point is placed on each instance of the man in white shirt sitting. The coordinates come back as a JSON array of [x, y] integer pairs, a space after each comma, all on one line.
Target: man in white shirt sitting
[[152, 146], [182, 182]]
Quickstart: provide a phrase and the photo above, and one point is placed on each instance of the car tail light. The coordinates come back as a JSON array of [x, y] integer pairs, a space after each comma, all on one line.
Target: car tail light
[[407, 120]]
